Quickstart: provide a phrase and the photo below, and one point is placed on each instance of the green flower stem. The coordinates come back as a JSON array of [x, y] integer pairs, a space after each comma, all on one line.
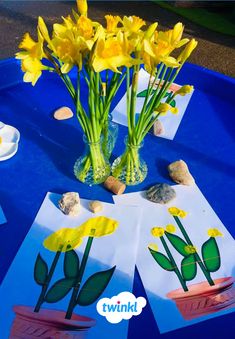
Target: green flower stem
[[134, 88], [47, 282], [73, 299], [176, 270], [199, 260]]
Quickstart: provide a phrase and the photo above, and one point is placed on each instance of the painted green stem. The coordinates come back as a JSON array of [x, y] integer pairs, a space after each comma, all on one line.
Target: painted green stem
[[199, 260], [176, 270], [47, 282], [73, 299]]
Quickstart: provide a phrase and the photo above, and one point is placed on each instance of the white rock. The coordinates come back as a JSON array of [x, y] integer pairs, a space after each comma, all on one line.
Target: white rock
[[158, 128], [69, 204]]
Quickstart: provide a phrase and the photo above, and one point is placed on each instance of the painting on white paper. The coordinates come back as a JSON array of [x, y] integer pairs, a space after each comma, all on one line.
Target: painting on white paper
[[170, 122], [2, 217], [185, 258], [64, 266]]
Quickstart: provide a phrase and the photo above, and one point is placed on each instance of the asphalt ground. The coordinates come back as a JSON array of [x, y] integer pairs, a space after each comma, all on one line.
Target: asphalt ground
[[215, 51]]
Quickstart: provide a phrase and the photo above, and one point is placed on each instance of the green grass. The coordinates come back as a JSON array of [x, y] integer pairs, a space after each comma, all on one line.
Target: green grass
[[213, 21]]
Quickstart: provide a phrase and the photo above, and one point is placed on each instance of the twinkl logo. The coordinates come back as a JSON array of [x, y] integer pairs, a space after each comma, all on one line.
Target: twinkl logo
[[122, 306]]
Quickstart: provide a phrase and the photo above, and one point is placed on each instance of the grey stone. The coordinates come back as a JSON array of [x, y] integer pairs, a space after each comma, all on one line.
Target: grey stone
[[69, 204], [160, 193]]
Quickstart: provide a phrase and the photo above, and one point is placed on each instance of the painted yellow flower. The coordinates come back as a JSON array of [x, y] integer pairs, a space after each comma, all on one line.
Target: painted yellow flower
[[190, 249], [184, 90], [98, 227], [63, 240], [132, 24], [112, 22], [157, 231], [153, 247], [163, 108], [214, 232], [0, 140], [170, 228], [177, 212], [112, 53], [82, 7], [185, 54]]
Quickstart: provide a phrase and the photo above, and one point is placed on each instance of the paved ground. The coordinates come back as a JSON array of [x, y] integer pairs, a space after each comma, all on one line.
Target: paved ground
[[215, 51]]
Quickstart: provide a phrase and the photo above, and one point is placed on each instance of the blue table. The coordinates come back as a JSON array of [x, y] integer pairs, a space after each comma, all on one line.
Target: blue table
[[48, 150]]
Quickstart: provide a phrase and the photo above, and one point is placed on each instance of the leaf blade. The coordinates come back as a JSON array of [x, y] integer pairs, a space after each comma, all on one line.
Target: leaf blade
[[189, 267], [162, 260], [89, 292], [211, 255], [40, 270], [71, 264], [59, 290], [179, 244]]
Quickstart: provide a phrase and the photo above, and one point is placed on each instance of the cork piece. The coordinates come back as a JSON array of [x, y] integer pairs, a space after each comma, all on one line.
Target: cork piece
[[95, 206], [179, 172], [114, 185], [69, 204], [63, 113]]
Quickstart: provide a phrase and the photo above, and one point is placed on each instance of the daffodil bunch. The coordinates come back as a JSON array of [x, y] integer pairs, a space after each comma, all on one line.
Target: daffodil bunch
[[66, 240], [210, 261]]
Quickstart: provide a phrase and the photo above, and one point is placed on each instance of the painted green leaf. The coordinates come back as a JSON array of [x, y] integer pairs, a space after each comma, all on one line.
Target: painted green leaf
[[59, 290], [211, 255], [142, 94], [71, 264], [40, 270], [189, 267], [162, 260], [178, 243], [94, 287], [173, 103]]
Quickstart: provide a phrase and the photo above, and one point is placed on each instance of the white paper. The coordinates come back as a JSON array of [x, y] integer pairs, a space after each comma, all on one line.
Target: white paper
[[2, 217], [119, 248], [158, 282], [170, 121]]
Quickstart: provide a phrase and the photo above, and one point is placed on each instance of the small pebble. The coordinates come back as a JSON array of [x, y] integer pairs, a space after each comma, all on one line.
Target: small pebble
[[95, 206], [179, 173], [160, 193], [63, 113], [158, 128], [69, 204]]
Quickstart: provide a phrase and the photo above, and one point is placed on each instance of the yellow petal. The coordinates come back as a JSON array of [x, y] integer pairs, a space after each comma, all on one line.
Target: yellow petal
[[177, 212], [27, 42], [63, 240], [66, 67], [185, 54], [153, 247], [98, 227], [82, 7], [43, 29], [214, 232], [157, 231], [170, 228]]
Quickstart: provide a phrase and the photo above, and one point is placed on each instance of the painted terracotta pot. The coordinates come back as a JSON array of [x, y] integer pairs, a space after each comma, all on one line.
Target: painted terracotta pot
[[49, 324], [202, 299]]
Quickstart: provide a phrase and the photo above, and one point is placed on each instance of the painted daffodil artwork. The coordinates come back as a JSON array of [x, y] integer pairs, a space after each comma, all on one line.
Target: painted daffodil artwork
[[65, 241]]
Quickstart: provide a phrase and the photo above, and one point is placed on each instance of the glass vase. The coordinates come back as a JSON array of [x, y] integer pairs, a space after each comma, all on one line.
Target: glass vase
[[92, 167], [110, 134], [130, 168]]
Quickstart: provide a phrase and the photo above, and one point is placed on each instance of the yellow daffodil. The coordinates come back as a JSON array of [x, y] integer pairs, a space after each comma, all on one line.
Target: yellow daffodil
[[190, 249], [170, 228], [82, 7], [153, 247], [172, 37], [177, 212], [112, 53], [63, 240], [214, 232], [157, 231], [98, 227], [185, 54], [111, 23], [163, 108], [33, 69], [132, 24], [32, 49], [184, 90]]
